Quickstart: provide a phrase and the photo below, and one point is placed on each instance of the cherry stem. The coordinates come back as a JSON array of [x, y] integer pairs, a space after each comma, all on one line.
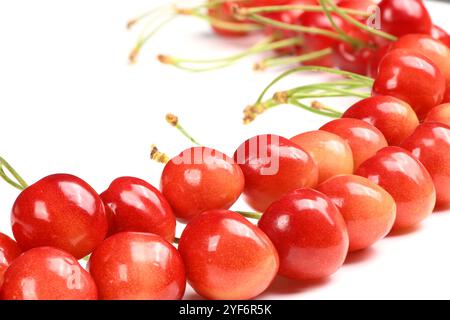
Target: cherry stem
[[362, 79], [243, 12], [266, 44], [340, 12], [20, 183], [356, 43], [250, 215], [272, 62], [311, 30], [173, 121]]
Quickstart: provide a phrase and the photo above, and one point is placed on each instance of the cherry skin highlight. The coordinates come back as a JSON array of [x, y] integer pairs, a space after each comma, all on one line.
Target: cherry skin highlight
[[411, 77], [408, 182], [137, 266], [136, 205], [309, 234], [201, 179], [272, 166], [393, 117], [433, 49], [227, 257], [332, 153], [363, 138], [439, 114], [60, 211], [9, 250], [368, 210], [430, 144], [399, 17], [47, 273]]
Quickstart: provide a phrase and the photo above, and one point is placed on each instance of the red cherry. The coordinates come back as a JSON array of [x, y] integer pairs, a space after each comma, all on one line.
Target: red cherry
[[137, 266], [363, 138], [9, 250], [360, 5], [430, 144], [447, 94], [273, 166], [201, 179], [411, 77], [309, 233], [368, 210], [439, 114], [227, 257], [408, 182], [374, 62], [441, 35], [61, 211], [47, 273], [393, 117], [400, 17], [313, 42], [138, 206], [332, 153], [433, 49]]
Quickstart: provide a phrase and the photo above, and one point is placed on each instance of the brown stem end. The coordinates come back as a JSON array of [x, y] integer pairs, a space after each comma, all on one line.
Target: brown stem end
[[251, 112], [158, 156], [172, 119], [281, 97]]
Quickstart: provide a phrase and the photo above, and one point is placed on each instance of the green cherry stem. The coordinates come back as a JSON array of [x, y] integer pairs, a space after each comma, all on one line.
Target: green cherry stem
[[359, 78], [173, 121], [266, 44], [358, 24], [356, 43], [20, 183], [250, 215], [279, 61], [243, 12]]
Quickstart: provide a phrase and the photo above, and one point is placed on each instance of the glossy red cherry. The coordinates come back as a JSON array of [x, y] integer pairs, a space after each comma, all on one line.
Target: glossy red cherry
[[433, 49], [400, 17], [447, 94], [201, 179], [393, 117], [368, 210], [440, 34], [408, 182], [46, 273], [227, 257], [374, 62], [136, 205], [363, 138], [60, 211], [273, 166], [137, 266], [314, 42], [332, 154], [309, 233], [411, 77], [430, 144], [440, 113], [9, 250]]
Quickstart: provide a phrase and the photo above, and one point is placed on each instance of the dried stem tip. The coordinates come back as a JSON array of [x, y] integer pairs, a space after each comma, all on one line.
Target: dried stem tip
[[318, 105], [172, 119], [238, 12], [251, 112], [165, 59], [158, 156], [259, 66], [133, 55], [281, 97], [131, 23]]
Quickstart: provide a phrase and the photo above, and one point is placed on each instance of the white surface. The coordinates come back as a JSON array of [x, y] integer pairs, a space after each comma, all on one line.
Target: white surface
[[70, 103]]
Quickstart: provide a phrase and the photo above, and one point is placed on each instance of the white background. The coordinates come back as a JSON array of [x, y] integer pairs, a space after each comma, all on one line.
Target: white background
[[70, 103]]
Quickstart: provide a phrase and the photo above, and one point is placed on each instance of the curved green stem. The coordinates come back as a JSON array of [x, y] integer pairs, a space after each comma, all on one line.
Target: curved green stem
[[331, 113], [242, 12], [365, 80], [358, 24], [286, 26], [20, 183], [352, 41], [273, 62], [251, 215]]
